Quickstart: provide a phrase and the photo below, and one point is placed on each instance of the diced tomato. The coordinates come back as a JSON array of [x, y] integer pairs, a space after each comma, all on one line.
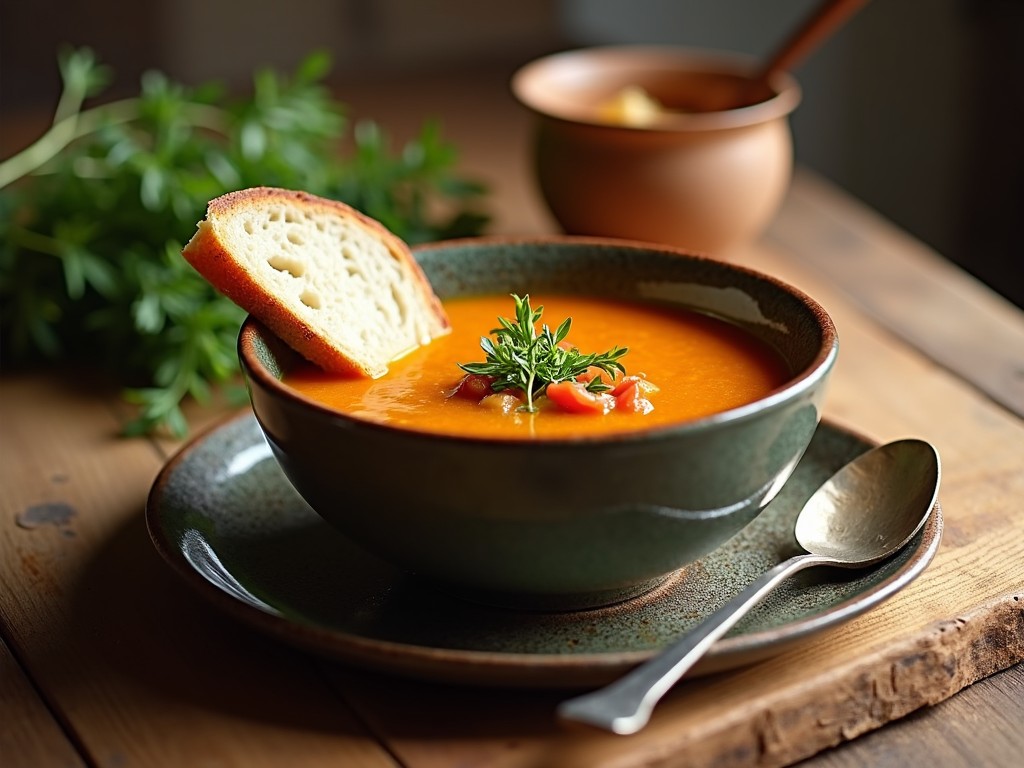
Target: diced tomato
[[632, 398], [473, 386], [573, 397], [645, 386]]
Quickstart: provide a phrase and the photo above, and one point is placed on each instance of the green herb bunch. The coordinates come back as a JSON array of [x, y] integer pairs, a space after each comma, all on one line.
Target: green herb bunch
[[521, 358], [94, 214]]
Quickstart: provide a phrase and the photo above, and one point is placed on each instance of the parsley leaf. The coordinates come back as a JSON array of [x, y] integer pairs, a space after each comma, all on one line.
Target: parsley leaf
[[94, 214]]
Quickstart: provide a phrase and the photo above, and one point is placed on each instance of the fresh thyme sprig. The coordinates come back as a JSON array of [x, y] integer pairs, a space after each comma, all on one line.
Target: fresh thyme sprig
[[521, 358]]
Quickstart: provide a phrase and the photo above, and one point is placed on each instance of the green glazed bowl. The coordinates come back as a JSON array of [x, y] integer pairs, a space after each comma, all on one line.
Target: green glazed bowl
[[557, 523]]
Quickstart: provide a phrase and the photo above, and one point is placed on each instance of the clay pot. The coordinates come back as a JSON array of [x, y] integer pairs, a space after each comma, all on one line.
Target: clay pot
[[706, 173]]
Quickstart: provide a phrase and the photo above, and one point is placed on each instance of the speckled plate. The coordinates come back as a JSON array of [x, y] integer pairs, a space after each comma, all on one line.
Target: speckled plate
[[225, 518]]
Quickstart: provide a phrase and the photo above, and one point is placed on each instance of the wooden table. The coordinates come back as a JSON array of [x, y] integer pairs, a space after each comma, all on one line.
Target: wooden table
[[109, 660]]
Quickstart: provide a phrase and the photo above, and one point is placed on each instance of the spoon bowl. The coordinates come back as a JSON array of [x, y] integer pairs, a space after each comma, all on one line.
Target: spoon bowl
[[865, 513], [889, 490]]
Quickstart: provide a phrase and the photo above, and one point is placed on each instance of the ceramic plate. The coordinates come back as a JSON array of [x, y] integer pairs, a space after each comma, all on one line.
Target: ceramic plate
[[223, 515]]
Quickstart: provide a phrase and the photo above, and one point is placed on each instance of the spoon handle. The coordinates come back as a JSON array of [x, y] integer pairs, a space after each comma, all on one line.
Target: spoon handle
[[625, 705]]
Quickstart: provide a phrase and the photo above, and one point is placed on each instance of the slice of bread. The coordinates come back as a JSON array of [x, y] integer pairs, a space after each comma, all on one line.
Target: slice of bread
[[334, 284]]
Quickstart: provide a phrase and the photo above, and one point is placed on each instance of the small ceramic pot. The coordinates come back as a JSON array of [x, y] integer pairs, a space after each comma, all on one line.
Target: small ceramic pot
[[704, 174], [557, 523]]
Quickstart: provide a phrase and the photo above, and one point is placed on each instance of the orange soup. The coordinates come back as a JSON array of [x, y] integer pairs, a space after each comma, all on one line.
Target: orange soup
[[700, 364]]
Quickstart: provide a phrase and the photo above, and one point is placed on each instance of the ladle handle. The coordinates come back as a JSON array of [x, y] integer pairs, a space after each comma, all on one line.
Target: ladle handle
[[625, 705], [819, 26]]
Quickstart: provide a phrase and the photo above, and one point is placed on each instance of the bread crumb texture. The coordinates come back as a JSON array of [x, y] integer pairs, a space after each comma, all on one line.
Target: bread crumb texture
[[337, 276]]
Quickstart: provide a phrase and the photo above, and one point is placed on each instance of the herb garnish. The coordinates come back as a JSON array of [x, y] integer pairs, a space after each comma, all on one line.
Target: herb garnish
[[94, 214], [521, 358]]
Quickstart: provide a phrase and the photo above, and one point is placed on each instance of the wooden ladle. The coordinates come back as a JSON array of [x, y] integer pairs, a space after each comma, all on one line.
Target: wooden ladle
[[816, 28]]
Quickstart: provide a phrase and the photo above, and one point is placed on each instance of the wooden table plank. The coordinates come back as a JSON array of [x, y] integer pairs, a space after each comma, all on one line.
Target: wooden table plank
[[983, 719], [142, 672], [979, 441], [29, 735], [927, 301]]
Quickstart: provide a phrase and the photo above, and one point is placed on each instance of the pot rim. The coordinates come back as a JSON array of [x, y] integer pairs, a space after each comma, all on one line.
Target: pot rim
[[527, 86]]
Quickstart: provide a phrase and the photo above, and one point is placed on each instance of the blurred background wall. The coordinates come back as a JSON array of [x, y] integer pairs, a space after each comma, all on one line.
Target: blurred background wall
[[914, 107]]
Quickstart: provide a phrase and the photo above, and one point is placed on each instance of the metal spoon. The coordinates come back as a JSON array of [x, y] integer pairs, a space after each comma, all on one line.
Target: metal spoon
[[865, 513]]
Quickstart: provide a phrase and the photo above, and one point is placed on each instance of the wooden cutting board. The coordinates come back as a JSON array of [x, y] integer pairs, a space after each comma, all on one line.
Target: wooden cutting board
[[962, 620]]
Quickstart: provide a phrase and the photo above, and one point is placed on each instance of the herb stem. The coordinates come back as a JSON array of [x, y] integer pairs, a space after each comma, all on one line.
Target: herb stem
[[520, 358], [35, 242], [70, 102], [529, 389], [77, 125]]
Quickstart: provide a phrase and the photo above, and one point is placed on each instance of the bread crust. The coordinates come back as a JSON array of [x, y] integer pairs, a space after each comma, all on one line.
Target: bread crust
[[211, 256]]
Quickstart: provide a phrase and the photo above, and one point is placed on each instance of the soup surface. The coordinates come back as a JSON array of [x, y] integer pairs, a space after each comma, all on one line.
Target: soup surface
[[701, 365]]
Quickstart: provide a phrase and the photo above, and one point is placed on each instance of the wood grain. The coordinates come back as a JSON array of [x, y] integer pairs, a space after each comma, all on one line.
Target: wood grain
[[879, 668], [142, 672], [29, 735], [981, 720], [738, 719], [914, 293]]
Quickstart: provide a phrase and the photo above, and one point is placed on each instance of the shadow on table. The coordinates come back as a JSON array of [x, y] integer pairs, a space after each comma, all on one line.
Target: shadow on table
[[138, 637]]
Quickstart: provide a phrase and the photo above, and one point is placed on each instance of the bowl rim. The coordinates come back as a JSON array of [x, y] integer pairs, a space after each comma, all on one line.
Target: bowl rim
[[787, 91], [817, 369]]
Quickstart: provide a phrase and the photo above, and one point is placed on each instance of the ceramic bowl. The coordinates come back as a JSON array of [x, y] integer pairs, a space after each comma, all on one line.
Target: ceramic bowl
[[704, 174], [561, 523]]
